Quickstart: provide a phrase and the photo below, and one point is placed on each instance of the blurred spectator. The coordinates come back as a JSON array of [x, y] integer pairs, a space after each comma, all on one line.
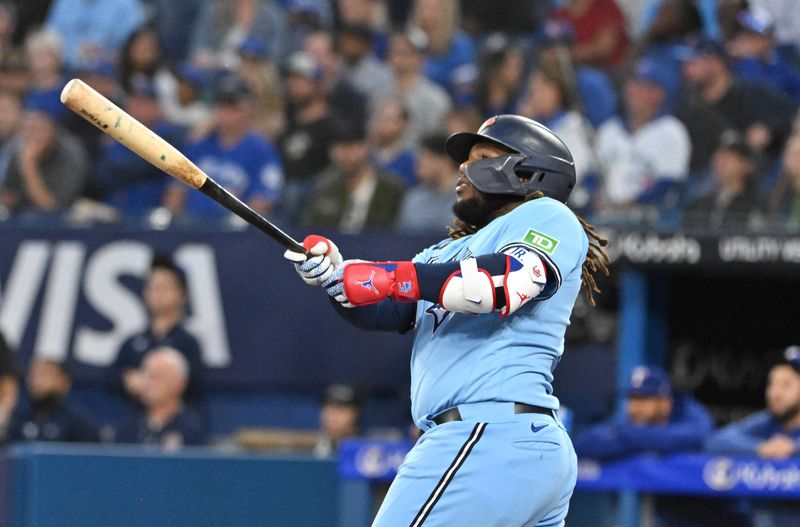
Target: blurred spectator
[[772, 433], [646, 154], [361, 67], [258, 70], [787, 21], [183, 104], [426, 102], [655, 420], [450, 60], [240, 160], [48, 414], [120, 177], [352, 195], [663, 41], [344, 99], [735, 195], [756, 57], [549, 101], [388, 132], [13, 63], [47, 168], [309, 131], [29, 15], [174, 23], [461, 120], [784, 200], [601, 37], [305, 18], [593, 92], [370, 13], [9, 386], [93, 31], [428, 206], [512, 17], [702, 16], [10, 121], [500, 77], [718, 101], [339, 418], [166, 421], [223, 25], [141, 61], [45, 77], [165, 296]]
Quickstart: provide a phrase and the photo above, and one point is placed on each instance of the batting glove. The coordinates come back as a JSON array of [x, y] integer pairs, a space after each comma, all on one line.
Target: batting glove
[[323, 261]]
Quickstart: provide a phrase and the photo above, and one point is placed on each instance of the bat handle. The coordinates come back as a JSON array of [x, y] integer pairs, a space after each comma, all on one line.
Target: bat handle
[[213, 190]]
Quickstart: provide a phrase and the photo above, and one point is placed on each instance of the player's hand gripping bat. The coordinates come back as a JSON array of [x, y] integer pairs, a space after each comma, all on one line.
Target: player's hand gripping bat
[[112, 120]]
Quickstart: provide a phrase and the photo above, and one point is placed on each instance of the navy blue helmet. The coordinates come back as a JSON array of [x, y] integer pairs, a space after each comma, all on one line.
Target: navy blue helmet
[[539, 160]]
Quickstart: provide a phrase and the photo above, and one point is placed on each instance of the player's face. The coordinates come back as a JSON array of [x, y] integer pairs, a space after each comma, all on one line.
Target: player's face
[[783, 392], [464, 189]]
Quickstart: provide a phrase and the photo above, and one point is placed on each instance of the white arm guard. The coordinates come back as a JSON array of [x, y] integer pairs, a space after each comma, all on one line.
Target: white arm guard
[[525, 278]]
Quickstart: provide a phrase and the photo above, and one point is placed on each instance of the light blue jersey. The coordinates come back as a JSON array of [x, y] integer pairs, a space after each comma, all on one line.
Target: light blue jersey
[[459, 358]]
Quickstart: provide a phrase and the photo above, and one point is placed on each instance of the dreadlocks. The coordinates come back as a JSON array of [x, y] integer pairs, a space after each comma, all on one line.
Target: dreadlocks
[[596, 256]]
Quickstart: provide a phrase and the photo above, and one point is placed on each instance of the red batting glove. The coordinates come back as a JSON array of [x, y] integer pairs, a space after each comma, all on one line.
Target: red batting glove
[[370, 282]]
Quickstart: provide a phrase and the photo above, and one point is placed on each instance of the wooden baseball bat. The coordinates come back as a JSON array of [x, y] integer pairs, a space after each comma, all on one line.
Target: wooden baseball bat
[[116, 122]]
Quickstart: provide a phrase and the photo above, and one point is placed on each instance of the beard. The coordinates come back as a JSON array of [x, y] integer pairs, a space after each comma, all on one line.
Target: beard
[[478, 211], [787, 415]]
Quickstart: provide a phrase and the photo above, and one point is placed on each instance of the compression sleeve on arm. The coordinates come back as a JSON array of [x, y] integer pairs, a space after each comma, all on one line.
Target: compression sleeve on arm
[[384, 316]]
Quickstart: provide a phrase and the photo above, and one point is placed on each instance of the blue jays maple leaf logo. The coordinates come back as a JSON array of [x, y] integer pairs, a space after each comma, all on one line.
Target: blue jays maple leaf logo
[[439, 315]]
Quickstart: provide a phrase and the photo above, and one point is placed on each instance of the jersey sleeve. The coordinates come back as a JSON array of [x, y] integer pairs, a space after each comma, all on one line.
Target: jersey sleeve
[[552, 231]]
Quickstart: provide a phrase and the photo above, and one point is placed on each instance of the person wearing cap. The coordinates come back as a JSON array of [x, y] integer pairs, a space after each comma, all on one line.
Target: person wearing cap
[[428, 103], [48, 167], [655, 419], [734, 196], [240, 160], [165, 296], [309, 132], [360, 66], [646, 152], [120, 177], [773, 433], [352, 195], [183, 104], [718, 100], [339, 418], [427, 205], [753, 49]]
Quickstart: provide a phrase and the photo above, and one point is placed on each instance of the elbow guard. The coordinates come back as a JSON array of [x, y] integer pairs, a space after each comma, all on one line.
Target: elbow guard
[[477, 291]]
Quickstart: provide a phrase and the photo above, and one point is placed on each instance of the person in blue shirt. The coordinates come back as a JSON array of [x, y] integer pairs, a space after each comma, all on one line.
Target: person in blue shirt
[[237, 158], [655, 420], [773, 433], [489, 307], [47, 413]]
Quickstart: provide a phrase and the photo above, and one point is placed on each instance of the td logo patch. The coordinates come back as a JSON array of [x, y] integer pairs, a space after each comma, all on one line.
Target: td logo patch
[[540, 241]]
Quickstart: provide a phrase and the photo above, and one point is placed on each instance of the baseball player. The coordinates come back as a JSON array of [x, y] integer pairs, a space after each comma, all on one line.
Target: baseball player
[[489, 307]]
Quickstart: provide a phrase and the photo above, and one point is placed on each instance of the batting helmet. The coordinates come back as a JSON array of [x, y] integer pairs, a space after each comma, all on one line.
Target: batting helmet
[[539, 161]]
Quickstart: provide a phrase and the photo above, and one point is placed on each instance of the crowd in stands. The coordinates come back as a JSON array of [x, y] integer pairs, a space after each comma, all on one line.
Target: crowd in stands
[[324, 114]]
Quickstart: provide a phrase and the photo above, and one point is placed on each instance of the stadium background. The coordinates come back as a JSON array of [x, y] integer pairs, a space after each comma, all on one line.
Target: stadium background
[[714, 305]]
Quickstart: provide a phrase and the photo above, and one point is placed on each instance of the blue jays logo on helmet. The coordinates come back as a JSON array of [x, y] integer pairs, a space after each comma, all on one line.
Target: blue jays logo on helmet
[[537, 160]]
